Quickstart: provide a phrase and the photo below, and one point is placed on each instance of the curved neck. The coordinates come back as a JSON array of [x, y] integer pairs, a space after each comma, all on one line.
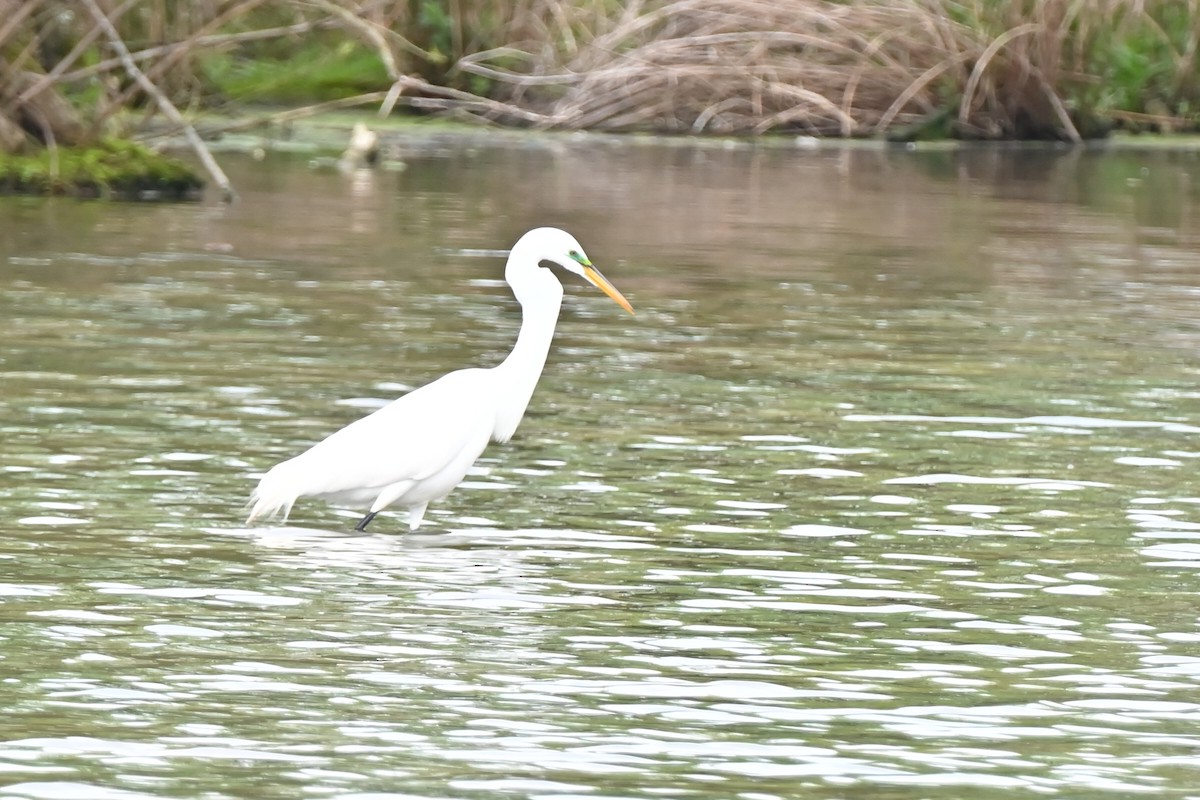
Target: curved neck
[[518, 374]]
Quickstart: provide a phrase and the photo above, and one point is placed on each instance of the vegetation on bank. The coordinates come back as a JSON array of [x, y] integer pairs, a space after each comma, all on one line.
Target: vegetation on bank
[[73, 72], [108, 168]]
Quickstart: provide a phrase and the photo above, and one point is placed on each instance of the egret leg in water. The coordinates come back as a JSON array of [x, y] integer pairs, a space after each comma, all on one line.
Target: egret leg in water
[[417, 448]]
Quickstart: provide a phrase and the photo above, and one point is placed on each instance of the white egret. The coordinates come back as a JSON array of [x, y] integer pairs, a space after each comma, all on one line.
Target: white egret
[[417, 448]]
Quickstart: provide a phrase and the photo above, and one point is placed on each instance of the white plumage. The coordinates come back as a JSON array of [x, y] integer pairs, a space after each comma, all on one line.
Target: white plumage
[[417, 448]]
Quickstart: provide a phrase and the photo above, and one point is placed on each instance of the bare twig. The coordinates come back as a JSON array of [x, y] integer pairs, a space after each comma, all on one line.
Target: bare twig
[[915, 88], [375, 34], [13, 18], [389, 100], [293, 113], [167, 107], [970, 91], [211, 41], [1060, 110], [64, 64], [178, 54], [454, 98]]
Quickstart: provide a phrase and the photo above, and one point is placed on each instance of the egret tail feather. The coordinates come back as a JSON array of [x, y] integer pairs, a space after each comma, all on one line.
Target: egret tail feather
[[269, 500]]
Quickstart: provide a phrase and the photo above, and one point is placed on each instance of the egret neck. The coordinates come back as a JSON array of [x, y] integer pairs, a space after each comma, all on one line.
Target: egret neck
[[540, 295]]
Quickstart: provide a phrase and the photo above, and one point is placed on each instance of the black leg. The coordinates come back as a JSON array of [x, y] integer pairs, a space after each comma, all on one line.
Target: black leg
[[365, 521]]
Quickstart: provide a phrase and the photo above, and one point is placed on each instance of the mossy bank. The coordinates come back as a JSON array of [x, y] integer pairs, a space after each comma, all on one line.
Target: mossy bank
[[110, 168]]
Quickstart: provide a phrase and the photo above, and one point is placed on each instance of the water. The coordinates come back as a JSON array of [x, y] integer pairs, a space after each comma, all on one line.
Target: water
[[887, 491]]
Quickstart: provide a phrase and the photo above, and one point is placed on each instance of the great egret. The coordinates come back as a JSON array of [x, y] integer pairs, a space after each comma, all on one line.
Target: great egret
[[417, 448]]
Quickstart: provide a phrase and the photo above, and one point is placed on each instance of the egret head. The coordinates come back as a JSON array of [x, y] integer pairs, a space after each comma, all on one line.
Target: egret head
[[561, 248]]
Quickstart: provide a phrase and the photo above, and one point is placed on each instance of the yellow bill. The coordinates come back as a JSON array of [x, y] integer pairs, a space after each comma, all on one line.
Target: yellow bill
[[602, 283]]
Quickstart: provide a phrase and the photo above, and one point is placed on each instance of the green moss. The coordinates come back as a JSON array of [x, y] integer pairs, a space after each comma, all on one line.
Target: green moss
[[110, 168], [312, 72]]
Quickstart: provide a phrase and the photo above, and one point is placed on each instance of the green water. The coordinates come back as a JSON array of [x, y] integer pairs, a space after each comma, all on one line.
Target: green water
[[887, 491]]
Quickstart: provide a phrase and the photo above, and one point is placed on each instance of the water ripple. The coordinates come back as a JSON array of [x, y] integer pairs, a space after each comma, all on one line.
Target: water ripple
[[800, 528]]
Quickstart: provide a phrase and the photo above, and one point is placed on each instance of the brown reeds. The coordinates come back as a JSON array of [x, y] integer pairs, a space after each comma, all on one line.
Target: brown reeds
[[900, 68], [988, 69]]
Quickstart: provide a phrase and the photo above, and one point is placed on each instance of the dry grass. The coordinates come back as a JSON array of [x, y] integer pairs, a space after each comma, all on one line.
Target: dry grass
[[987, 69], [901, 68], [740, 66]]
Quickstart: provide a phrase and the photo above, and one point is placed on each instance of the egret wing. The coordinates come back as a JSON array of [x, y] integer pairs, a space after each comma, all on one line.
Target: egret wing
[[411, 438]]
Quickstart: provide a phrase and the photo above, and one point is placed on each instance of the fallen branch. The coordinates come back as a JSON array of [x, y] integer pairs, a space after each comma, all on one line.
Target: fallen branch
[[454, 98], [174, 57], [167, 107], [293, 113]]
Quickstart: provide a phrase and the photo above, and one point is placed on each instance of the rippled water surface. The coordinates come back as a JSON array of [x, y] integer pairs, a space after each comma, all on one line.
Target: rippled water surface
[[888, 490]]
